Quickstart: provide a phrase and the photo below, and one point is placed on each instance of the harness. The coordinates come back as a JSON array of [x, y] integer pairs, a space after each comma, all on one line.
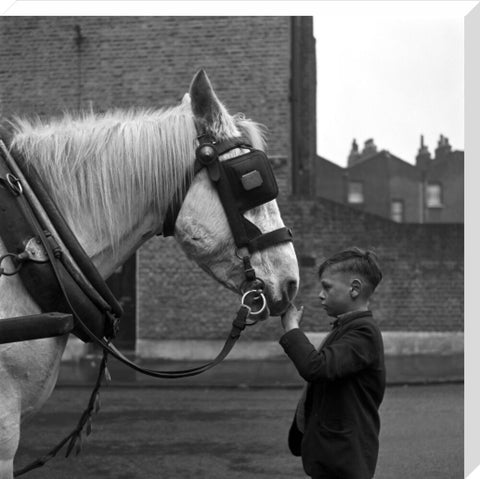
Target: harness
[[60, 276]]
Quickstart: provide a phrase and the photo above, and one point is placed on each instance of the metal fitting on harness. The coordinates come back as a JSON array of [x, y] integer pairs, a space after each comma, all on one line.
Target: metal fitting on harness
[[13, 184], [17, 264], [257, 294], [206, 154], [34, 251]]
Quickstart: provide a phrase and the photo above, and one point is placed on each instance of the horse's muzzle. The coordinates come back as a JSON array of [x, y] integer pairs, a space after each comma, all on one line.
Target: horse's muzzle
[[287, 295]]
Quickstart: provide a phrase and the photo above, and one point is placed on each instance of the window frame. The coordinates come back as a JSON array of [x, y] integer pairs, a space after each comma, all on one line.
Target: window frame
[[438, 195], [400, 202], [360, 194]]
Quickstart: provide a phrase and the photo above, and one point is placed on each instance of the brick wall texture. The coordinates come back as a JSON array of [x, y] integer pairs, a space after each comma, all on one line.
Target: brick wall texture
[[149, 62], [422, 289], [47, 66]]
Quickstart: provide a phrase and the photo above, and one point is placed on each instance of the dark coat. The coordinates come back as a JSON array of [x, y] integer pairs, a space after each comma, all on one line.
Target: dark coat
[[346, 386]]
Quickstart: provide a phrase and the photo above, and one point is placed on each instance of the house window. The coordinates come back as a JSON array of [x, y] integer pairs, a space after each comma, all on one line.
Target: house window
[[396, 211], [434, 195], [355, 192]]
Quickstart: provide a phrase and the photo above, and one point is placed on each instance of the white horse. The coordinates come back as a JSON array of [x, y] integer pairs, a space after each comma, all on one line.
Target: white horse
[[113, 176]]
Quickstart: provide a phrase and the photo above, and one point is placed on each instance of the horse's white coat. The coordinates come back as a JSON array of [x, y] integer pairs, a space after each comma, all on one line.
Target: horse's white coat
[[113, 183]]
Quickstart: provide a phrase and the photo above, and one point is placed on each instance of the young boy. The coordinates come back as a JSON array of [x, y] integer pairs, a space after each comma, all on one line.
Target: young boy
[[336, 425]]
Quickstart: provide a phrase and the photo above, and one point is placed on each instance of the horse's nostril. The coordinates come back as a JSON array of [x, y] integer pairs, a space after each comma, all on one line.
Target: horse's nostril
[[292, 288]]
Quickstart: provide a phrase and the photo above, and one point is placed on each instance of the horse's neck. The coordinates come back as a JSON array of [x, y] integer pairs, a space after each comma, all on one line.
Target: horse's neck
[[102, 255], [107, 258]]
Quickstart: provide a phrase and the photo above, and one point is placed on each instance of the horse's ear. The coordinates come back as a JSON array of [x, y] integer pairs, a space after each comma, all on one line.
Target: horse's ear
[[205, 104]]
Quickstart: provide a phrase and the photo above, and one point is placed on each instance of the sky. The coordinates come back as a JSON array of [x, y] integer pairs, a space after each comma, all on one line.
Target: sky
[[392, 75]]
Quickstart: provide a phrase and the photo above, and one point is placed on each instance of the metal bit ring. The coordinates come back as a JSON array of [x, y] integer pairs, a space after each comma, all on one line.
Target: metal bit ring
[[258, 294]]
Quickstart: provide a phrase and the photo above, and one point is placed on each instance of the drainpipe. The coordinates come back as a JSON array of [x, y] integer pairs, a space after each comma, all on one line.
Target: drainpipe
[[79, 40], [423, 201]]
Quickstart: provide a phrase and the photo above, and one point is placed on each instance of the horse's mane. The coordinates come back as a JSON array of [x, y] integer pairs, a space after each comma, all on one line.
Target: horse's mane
[[121, 161]]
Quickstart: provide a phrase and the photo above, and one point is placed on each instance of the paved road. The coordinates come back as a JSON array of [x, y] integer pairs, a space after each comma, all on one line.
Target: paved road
[[234, 433]]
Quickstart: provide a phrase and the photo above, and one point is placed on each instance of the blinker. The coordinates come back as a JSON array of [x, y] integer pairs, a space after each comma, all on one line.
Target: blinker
[[250, 180]]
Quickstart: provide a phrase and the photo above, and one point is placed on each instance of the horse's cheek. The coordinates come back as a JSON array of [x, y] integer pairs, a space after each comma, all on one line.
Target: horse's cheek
[[192, 238]]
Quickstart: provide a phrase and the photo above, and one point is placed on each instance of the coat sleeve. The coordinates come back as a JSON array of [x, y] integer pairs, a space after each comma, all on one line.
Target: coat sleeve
[[353, 351]]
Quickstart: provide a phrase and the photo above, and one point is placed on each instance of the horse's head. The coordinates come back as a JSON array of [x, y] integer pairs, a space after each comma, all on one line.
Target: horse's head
[[202, 227]]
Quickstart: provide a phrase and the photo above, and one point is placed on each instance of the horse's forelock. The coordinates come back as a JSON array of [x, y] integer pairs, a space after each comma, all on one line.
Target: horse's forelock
[[255, 132]]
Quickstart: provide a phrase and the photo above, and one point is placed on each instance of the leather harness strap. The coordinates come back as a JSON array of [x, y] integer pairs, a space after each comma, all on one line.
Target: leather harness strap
[[78, 253], [51, 282]]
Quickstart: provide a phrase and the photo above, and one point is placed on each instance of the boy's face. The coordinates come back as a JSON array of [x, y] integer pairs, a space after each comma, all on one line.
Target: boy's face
[[336, 292]]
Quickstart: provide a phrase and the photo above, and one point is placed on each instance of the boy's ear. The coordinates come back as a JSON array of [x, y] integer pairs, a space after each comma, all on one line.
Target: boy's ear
[[355, 288]]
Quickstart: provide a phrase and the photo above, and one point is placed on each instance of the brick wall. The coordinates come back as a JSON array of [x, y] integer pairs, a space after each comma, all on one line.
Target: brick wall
[[422, 288], [147, 61]]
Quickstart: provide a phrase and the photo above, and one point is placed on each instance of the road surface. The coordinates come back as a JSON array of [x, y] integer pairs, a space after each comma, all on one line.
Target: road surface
[[234, 433]]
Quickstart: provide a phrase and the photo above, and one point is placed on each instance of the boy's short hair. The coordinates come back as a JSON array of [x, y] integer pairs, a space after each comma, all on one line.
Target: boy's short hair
[[358, 261]]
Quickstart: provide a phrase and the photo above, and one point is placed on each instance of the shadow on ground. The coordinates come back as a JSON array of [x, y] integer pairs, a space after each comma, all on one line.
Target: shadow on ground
[[414, 369]]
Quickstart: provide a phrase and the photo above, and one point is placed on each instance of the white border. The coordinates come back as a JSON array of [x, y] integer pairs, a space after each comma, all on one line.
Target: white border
[[397, 9], [472, 238]]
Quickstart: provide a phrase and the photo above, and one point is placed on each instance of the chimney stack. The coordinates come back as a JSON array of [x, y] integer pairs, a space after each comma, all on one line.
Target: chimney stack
[[423, 156], [354, 155], [443, 149]]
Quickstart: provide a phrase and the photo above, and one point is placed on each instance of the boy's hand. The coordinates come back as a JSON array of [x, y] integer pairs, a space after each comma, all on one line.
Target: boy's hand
[[292, 317]]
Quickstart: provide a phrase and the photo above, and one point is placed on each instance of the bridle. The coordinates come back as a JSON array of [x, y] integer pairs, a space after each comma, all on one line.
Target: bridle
[[242, 183]]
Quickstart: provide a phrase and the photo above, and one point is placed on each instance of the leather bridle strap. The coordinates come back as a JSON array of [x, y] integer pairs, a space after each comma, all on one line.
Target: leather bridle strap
[[267, 240], [238, 325]]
